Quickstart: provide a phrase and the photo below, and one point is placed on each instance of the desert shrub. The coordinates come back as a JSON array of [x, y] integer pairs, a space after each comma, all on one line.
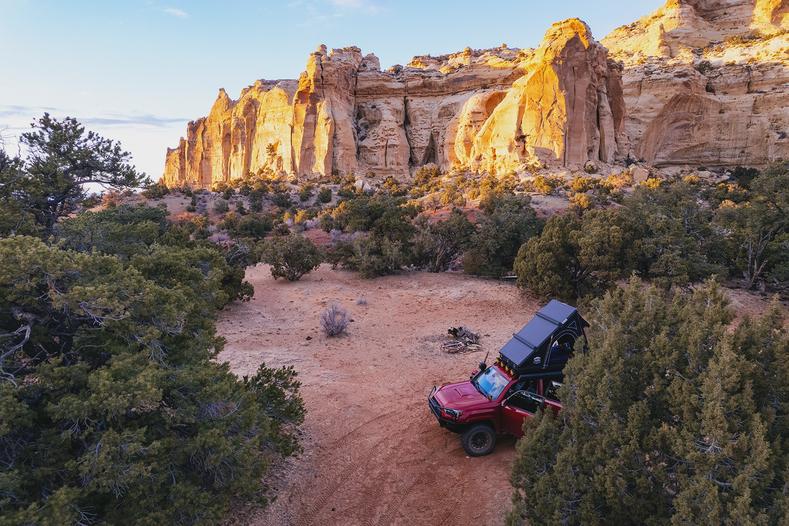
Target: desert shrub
[[391, 186], [112, 406], [545, 185], [427, 179], [240, 208], [490, 186], [693, 427], [757, 229], [324, 195], [506, 223], [575, 255], [281, 199], [290, 256], [123, 230], [580, 202], [306, 191], [381, 215], [692, 179], [346, 191], [254, 226], [221, 206], [451, 196], [675, 241], [228, 192], [617, 181], [255, 201], [370, 256], [653, 183], [155, 191], [744, 175], [334, 320], [582, 184], [437, 245]]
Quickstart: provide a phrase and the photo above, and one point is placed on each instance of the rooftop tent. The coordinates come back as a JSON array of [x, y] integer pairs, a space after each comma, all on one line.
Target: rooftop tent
[[546, 342]]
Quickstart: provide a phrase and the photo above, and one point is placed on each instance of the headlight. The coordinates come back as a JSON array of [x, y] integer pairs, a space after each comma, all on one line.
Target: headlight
[[454, 413]]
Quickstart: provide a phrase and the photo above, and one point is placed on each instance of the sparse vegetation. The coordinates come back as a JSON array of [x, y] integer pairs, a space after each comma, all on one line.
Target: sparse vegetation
[[221, 206], [291, 256], [334, 320], [324, 195]]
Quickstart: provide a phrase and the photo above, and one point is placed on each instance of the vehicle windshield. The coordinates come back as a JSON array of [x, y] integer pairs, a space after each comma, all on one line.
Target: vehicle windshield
[[491, 382]]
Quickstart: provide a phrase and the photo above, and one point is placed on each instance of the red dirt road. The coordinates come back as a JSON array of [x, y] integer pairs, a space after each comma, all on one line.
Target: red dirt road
[[373, 453]]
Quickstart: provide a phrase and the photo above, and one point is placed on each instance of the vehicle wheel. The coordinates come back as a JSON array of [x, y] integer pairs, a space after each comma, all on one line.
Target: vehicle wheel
[[479, 440]]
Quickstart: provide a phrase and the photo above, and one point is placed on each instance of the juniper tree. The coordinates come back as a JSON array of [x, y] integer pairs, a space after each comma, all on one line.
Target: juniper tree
[[62, 158], [669, 418], [506, 223], [112, 409], [574, 255]]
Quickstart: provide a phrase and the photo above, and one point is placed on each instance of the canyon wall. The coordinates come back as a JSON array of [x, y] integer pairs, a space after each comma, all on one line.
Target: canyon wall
[[697, 82], [706, 82], [495, 110]]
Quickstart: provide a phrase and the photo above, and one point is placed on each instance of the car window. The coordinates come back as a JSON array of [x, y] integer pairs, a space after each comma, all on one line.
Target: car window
[[552, 390], [523, 385], [527, 401]]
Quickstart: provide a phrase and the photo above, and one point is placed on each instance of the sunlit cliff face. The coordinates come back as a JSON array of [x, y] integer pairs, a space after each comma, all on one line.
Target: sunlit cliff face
[[494, 110], [696, 82]]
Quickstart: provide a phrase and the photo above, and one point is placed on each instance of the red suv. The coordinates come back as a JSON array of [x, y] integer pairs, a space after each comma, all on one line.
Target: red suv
[[492, 403], [524, 379]]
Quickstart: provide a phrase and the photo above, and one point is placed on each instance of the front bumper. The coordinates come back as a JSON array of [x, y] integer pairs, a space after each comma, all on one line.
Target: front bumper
[[443, 421]]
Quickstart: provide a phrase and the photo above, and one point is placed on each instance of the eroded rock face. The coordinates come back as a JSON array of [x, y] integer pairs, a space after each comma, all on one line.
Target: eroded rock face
[[494, 110], [559, 112], [705, 82], [697, 82]]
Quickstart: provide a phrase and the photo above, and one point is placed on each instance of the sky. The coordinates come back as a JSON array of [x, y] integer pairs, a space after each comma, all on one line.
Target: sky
[[138, 70]]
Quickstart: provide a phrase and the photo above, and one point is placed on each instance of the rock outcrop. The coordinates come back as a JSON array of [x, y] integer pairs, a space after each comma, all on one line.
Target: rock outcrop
[[560, 111], [493, 110], [705, 82], [697, 82]]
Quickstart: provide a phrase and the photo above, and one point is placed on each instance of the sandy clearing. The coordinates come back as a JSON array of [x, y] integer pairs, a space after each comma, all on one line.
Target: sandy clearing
[[373, 453]]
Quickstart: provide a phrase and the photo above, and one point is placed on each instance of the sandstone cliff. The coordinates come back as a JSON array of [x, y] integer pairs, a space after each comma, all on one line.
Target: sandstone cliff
[[697, 82], [705, 82], [494, 110]]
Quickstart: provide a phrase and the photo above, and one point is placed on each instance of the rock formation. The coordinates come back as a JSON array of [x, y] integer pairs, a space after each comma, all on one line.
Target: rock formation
[[705, 82], [493, 110], [697, 82]]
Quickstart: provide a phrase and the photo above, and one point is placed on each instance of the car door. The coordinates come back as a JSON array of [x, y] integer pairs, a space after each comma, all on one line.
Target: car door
[[517, 408]]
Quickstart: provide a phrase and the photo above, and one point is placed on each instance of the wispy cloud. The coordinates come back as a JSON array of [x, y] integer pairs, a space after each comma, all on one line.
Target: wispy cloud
[[14, 117], [366, 6], [174, 11], [317, 12]]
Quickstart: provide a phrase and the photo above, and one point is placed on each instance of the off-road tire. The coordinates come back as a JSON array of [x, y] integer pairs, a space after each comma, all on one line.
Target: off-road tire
[[478, 440]]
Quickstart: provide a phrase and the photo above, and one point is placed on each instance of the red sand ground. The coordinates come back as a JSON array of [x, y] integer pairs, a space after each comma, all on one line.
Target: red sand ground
[[373, 453]]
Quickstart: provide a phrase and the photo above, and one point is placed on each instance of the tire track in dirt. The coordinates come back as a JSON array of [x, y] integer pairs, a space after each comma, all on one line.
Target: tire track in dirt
[[307, 518]]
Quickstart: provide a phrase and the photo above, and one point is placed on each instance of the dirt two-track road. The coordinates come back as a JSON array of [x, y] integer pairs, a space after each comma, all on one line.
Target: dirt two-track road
[[373, 453]]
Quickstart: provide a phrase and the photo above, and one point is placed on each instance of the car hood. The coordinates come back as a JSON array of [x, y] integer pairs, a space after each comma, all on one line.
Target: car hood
[[459, 395]]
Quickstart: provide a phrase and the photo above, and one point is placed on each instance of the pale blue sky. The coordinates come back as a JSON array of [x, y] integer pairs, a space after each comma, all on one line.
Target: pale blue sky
[[138, 70]]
